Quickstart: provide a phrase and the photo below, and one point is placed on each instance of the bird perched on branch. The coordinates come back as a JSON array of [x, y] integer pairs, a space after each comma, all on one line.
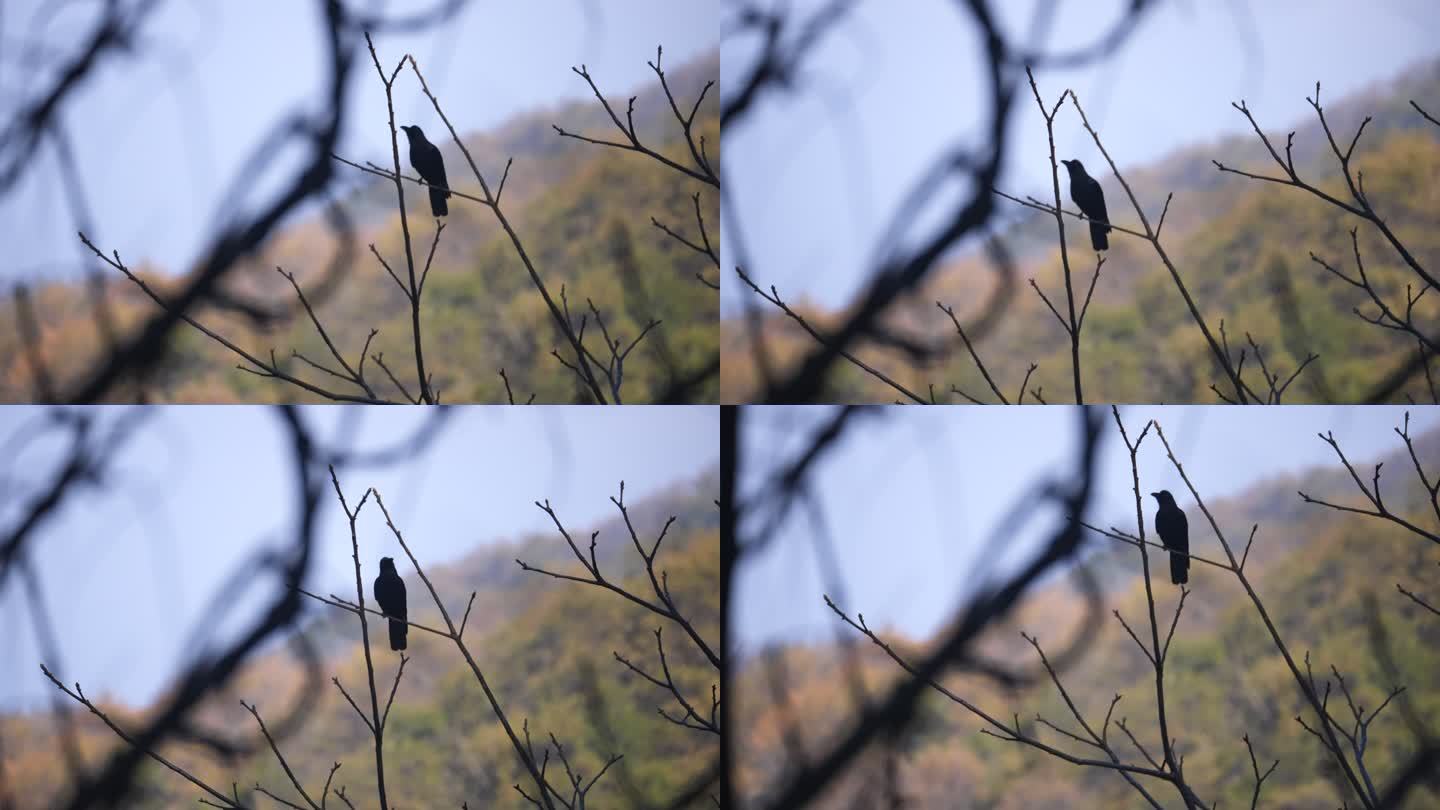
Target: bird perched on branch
[[390, 593], [426, 159], [1087, 194], [1174, 532]]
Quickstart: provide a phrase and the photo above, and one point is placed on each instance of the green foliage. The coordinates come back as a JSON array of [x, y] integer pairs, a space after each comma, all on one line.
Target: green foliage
[[566, 200], [1242, 248], [1326, 580], [546, 649]]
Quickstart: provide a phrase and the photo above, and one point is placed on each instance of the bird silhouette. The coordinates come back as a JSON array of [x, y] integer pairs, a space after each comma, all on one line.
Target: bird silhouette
[[390, 593], [425, 158], [1174, 532], [1087, 194]]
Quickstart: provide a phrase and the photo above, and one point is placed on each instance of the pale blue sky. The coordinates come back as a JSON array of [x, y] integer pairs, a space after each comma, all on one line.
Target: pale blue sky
[[160, 137], [816, 174], [199, 489], [912, 496]]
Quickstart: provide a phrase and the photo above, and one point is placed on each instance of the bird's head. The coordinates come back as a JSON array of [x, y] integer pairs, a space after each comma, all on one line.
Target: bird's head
[[412, 132], [387, 563], [1164, 497], [1074, 167]]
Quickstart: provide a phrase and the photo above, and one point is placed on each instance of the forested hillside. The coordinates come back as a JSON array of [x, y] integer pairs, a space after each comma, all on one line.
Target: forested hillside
[[546, 647], [1242, 246], [583, 213], [1327, 579]]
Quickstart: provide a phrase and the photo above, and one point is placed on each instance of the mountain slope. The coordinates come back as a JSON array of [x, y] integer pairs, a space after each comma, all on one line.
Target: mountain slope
[[1318, 572], [545, 647], [1241, 246], [570, 203]]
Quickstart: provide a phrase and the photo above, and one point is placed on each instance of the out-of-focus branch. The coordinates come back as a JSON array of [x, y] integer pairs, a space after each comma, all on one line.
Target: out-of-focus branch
[[1015, 732], [1168, 767], [211, 673], [892, 712], [232, 801], [901, 267], [88, 451], [780, 56], [352, 375], [29, 329], [257, 366], [148, 344], [23, 134], [907, 266], [774, 298]]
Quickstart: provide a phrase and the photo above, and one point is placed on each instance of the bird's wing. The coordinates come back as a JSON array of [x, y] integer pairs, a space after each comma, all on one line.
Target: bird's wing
[[1171, 530], [390, 593], [1096, 196], [439, 166], [1174, 530]]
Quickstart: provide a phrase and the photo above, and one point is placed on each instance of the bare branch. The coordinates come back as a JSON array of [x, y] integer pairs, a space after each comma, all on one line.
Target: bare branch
[[701, 170]]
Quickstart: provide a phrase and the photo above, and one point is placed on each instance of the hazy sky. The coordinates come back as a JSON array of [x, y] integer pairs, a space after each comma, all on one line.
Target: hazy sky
[[129, 570], [913, 495], [160, 137], [815, 174]]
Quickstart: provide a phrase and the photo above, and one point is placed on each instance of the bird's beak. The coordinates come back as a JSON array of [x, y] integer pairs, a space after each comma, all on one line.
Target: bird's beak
[[1155, 495]]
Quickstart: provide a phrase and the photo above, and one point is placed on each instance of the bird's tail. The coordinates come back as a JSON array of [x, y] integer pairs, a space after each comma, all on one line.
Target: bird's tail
[[1179, 569], [398, 629], [1098, 239], [438, 206]]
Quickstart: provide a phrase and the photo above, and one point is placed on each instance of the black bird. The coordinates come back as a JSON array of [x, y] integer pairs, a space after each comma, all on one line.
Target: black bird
[[1087, 194], [425, 157], [1174, 532], [390, 593]]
